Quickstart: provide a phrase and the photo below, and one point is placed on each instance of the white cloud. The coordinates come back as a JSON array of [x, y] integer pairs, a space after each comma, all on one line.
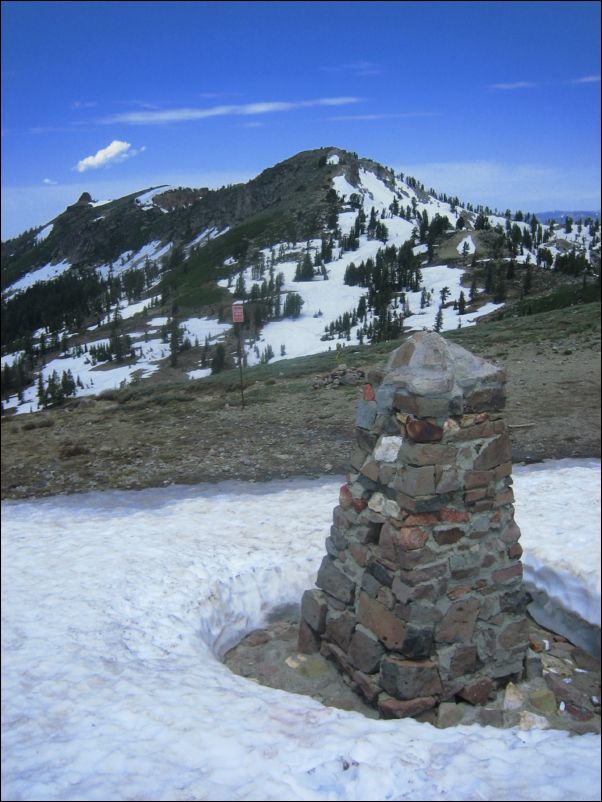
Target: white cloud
[[84, 104], [114, 153], [50, 182], [384, 116], [515, 85], [586, 79], [360, 68], [185, 114]]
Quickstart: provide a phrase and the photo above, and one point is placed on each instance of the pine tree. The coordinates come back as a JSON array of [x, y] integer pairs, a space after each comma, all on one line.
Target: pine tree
[[292, 305], [439, 320], [305, 269], [218, 362], [53, 390], [489, 279], [240, 290], [174, 342], [68, 386], [482, 222], [267, 354], [499, 293], [461, 304], [42, 395], [528, 280]]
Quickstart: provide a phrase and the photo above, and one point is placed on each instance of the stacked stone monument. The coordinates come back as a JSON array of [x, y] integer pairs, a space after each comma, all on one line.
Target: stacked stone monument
[[420, 596]]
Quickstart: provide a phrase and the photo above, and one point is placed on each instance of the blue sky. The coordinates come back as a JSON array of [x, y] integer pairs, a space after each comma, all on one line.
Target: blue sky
[[497, 102]]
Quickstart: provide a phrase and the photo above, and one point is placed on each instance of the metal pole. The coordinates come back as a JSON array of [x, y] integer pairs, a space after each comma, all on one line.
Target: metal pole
[[242, 394]]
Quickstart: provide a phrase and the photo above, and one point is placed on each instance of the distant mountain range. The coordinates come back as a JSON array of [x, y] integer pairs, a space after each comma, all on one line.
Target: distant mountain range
[[325, 250], [560, 217]]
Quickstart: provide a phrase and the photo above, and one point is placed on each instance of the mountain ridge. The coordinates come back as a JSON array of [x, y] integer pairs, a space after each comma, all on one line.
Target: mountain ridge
[[324, 248]]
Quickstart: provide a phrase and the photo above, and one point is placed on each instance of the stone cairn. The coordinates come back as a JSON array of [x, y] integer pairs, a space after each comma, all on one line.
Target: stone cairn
[[420, 596]]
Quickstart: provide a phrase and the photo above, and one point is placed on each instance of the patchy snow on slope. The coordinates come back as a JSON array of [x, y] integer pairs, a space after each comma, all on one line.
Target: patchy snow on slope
[[325, 301], [198, 373], [125, 310], [202, 328], [206, 235], [41, 235], [145, 200], [468, 241], [118, 606], [128, 310], [333, 159], [158, 321], [435, 279], [129, 260], [10, 359], [100, 376], [47, 272], [378, 193], [343, 188], [400, 231]]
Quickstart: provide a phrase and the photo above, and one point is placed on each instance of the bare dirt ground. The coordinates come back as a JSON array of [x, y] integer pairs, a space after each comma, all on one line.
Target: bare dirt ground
[[290, 427]]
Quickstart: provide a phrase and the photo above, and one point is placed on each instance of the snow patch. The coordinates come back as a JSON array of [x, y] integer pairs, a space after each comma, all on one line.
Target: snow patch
[[145, 200], [468, 241], [117, 606], [41, 235], [47, 272]]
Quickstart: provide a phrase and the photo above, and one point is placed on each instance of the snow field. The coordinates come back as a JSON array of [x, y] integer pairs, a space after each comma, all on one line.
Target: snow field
[[117, 606]]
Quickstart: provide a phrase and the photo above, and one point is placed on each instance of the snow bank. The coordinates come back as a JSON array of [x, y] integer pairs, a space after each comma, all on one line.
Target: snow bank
[[562, 552], [117, 606]]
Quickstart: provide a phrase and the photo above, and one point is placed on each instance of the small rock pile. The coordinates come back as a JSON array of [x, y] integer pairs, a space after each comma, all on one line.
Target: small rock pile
[[420, 598], [341, 375]]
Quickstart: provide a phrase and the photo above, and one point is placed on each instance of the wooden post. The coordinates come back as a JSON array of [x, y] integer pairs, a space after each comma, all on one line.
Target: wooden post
[[238, 318]]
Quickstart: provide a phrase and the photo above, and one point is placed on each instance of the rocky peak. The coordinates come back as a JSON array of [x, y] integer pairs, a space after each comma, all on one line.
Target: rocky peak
[[84, 199]]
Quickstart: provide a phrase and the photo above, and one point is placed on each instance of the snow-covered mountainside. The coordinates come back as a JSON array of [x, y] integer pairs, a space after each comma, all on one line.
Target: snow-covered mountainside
[[326, 250]]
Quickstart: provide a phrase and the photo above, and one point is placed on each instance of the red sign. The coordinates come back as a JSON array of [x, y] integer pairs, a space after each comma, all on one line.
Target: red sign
[[238, 313]]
